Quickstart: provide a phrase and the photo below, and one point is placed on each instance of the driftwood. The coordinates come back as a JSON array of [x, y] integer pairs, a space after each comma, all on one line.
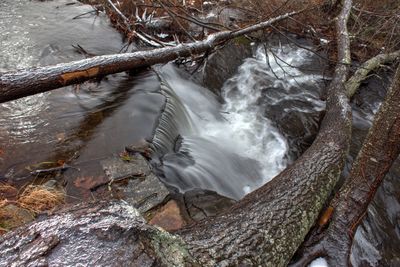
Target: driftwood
[[347, 209], [265, 228], [27, 82]]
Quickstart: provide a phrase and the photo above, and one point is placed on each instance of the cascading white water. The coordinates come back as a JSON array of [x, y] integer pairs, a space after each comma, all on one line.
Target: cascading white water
[[233, 148]]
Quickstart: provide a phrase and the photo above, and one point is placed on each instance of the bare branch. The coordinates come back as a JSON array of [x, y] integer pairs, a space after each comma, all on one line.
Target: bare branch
[[361, 74]]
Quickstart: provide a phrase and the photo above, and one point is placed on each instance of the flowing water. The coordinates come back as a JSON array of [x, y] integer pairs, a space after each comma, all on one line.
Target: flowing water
[[233, 148], [271, 107]]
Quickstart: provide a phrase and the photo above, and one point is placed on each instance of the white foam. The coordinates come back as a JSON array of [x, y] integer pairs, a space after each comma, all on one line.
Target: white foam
[[239, 125], [319, 262]]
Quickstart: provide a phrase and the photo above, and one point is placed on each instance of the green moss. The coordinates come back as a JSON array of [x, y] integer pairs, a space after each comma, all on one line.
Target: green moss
[[171, 249], [242, 40]]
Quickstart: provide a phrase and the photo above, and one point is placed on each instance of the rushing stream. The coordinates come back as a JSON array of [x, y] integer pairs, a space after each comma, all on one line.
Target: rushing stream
[[270, 111]]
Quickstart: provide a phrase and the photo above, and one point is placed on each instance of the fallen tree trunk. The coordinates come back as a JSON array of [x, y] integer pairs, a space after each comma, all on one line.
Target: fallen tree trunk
[[361, 74], [265, 228], [380, 149], [27, 82]]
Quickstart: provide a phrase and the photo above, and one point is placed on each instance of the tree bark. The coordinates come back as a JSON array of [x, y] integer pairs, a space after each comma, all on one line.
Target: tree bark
[[354, 82], [31, 81], [265, 228], [380, 149]]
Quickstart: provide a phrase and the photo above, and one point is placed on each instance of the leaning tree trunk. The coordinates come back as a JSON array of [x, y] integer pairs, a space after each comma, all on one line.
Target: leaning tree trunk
[[27, 82], [380, 149], [265, 228]]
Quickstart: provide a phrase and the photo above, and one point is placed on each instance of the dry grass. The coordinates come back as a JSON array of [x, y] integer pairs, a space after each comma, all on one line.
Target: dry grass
[[40, 198], [18, 208]]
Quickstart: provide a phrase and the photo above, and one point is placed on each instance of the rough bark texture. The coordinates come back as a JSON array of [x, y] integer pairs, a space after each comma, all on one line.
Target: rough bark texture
[[27, 82], [380, 149]]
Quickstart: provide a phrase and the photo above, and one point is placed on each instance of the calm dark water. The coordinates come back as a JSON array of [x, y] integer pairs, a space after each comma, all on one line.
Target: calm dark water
[[86, 123]]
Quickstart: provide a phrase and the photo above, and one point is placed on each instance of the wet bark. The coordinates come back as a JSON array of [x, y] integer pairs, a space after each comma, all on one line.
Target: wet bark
[[265, 228], [361, 74], [92, 234], [27, 82], [380, 149]]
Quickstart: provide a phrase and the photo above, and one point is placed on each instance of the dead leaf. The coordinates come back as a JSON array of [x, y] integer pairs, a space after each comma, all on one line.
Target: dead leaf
[[125, 156]]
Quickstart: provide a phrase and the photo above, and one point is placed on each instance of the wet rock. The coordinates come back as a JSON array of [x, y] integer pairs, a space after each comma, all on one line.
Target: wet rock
[[299, 128], [204, 203], [88, 183], [144, 190], [223, 64], [169, 217], [145, 194], [102, 233], [51, 184], [12, 216], [116, 167]]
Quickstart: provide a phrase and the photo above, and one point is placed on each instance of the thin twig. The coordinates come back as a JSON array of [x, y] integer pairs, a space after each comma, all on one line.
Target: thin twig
[[176, 21]]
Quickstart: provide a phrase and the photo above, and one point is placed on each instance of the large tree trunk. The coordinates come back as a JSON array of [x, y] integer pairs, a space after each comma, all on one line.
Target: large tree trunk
[[268, 225], [27, 82], [380, 149], [265, 228]]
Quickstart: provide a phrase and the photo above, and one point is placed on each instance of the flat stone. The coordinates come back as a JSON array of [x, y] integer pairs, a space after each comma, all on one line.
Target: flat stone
[[144, 190], [115, 167], [169, 217]]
